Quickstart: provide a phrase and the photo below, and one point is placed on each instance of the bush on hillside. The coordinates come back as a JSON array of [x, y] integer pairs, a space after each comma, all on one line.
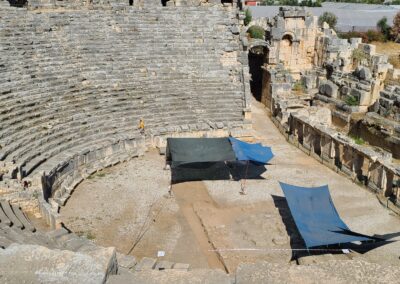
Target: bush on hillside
[[328, 18], [366, 37], [395, 32], [256, 32], [384, 28], [248, 17]]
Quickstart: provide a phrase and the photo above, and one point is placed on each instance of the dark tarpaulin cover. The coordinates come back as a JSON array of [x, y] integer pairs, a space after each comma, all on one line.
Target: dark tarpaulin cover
[[251, 152], [198, 150], [316, 217]]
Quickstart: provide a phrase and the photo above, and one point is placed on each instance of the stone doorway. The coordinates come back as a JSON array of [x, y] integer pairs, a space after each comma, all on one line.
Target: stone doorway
[[285, 51], [257, 57]]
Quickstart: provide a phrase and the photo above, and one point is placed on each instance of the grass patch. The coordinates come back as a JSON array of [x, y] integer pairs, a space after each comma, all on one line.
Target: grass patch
[[96, 175], [299, 87], [358, 140]]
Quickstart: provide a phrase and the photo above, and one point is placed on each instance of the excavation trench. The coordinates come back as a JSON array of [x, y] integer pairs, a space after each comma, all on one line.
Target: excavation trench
[[187, 196]]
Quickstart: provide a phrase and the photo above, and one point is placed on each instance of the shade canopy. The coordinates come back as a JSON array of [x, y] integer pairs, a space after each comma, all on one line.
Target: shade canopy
[[182, 151], [316, 217], [251, 152]]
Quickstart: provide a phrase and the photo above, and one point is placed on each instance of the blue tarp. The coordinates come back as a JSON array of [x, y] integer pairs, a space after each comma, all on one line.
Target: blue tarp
[[251, 152], [316, 217]]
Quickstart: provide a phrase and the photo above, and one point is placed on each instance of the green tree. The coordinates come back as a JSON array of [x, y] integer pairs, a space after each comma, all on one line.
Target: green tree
[[396, 28], [267, 2], [384, 28], [248, 17], [329, 18]]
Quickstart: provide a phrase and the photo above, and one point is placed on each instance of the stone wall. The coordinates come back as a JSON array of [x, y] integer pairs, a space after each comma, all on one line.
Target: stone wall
[[75, 83], [364, 165], [78, 4]]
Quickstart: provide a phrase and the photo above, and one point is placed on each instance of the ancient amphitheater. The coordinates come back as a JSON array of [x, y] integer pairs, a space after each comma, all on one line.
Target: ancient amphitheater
[[85, 194]]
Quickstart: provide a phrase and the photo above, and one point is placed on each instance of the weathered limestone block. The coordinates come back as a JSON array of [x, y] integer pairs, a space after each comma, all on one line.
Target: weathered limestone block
[[369, 49], [329, 89], [363, 73]]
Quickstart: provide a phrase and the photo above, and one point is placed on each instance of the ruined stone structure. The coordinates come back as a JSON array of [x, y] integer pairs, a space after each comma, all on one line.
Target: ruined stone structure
[[334, 94], [77, 76], [291, 36]]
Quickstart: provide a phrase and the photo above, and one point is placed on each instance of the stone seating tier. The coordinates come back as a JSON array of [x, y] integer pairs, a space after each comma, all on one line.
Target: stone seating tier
[[75, 79]]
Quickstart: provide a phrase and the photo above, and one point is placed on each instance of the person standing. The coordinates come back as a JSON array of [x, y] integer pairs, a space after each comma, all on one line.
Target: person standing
[[141, 126]]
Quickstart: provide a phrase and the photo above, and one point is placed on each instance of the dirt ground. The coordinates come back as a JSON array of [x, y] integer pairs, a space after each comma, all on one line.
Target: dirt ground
[[209, 223]]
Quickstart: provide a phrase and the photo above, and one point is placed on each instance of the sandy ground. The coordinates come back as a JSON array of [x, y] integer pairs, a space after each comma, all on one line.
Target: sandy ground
[[208, 223]]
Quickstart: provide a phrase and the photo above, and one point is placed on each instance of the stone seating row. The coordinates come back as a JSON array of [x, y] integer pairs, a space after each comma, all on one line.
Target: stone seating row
[[173, 105], [86, 76], [13, 115]]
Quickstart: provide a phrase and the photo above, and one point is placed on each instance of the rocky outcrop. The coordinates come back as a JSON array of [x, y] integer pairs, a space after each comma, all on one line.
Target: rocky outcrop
[[37, 264]]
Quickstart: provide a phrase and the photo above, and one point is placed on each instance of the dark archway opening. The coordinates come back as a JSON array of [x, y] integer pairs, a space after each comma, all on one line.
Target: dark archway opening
[[256, 58], [130, 2], [164, 2], [17, 3]]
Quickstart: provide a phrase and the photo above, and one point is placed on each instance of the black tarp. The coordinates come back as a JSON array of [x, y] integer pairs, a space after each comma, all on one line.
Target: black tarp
[[198, 150]]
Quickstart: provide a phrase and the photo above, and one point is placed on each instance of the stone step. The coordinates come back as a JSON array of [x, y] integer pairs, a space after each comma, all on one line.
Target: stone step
[[55, 234], [145, 263], [21, 217], [171, 276], [4, 220], [126, 261], [163, 264], [5, 242], [10, 214]]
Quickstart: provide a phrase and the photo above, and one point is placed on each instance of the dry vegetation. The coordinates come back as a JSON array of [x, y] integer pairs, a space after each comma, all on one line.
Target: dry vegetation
[[390, 48]]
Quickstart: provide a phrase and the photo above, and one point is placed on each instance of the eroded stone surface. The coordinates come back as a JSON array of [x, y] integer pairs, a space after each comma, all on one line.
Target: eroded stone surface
[[37, 264]]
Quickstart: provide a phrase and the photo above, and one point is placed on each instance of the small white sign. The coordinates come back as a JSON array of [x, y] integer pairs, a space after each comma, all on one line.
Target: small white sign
[[160, 253], [346, 251]]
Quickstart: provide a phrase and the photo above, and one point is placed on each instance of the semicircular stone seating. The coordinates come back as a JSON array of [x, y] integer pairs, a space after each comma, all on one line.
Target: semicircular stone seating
[[75, 84]]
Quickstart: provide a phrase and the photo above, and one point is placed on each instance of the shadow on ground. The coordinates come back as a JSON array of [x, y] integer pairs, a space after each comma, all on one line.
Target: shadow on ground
[[299, 248], [235, 170]]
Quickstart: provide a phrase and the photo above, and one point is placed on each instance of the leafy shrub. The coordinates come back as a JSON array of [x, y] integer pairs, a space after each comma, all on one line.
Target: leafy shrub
[[299, 87], [90, 236], [328, 18], [351, 101], [358, 140], [384, 28], [375, 36], [248, 17], [256, 32], [366, 37], [358, 56], [395, 31]]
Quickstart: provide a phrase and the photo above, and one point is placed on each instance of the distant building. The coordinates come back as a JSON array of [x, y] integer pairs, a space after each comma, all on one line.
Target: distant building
[[253, 3]]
